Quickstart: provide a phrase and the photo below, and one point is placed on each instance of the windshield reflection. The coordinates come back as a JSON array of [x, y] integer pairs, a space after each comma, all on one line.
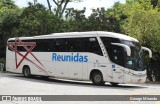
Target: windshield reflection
[[135, 61]]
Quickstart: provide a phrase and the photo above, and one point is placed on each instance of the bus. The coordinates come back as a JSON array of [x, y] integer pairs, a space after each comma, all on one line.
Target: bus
[[98, 56]]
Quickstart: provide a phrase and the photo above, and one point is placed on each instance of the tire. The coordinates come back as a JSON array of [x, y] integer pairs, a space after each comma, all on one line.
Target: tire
[[97, 78], [26, 72], [114, 84]]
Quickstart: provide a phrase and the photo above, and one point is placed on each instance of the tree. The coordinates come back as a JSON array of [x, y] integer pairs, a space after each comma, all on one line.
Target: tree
[[116, 17], [35, 2], [37, 20], [49, 5], [154, 3], [7, 3], [143, 24], [60, 6], [9, 21], [75, 20], [99, 20]]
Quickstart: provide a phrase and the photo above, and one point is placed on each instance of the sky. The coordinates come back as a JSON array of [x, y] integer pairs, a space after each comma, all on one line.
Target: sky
[[89, 4]]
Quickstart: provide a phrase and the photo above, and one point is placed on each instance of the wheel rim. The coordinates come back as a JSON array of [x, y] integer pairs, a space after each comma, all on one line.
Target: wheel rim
[[97, 78]]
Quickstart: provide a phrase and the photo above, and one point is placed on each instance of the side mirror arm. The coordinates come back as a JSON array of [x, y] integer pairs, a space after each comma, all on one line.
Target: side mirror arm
[[147, 49], [128, 49]]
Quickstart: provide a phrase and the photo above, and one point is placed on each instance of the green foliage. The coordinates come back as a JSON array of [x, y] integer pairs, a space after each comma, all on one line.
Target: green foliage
[[29, 21], [60, 6], [7, 3], [36, 20], [143, 24], [9, 14], [116, 17], [75, 20], [9, 20], [99, 20]]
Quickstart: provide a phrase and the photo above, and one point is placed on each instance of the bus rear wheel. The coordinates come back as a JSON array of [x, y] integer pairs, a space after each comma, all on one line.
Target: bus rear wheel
[[26, 72], [97, 78]]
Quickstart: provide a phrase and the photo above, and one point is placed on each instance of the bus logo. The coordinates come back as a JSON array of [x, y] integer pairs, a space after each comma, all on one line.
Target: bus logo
[[74, 57], [13, 46]]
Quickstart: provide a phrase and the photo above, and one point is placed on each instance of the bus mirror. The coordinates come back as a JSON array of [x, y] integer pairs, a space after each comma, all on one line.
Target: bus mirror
[[147, 49], [128, 49]]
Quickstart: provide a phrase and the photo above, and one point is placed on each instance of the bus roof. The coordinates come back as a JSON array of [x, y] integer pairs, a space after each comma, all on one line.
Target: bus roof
[[80, 34]]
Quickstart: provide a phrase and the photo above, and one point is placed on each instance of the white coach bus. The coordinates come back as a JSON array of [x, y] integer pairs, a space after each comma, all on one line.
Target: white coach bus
[[97, 56]]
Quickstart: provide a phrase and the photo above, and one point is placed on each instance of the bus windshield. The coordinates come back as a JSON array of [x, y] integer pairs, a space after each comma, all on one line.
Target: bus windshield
[[118, 55], [135, 61]]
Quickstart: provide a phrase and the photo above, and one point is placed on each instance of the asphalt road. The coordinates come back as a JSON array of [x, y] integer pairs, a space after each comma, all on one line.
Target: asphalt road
[[16, 84]]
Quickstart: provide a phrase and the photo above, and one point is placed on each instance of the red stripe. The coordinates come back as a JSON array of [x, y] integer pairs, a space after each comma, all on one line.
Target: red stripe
[[13, 47]]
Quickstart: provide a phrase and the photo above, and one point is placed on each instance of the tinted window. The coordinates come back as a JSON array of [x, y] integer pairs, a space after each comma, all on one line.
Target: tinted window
[[21, 48], [89, 44], [13, 46], [92, 45], [115, 52], [42, 45], [59, 45], [67, 45], [74, 45]]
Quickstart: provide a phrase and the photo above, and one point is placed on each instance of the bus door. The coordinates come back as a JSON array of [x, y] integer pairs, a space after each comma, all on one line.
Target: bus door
[[117, 66]]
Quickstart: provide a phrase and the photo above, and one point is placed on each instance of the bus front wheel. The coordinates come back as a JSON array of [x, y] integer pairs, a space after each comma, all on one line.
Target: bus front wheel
[[26, 72], [97, 78]]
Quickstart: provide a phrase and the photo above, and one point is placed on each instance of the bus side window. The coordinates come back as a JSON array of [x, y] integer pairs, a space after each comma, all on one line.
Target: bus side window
[[21, 49], [12, 46], [42, 45], [59, 45], [10, 49], [115, 52], [91, 45], [117, 55], [74, 45]]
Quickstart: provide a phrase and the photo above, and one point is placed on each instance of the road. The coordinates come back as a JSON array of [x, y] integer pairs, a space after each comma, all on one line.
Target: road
[[16, 84]]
